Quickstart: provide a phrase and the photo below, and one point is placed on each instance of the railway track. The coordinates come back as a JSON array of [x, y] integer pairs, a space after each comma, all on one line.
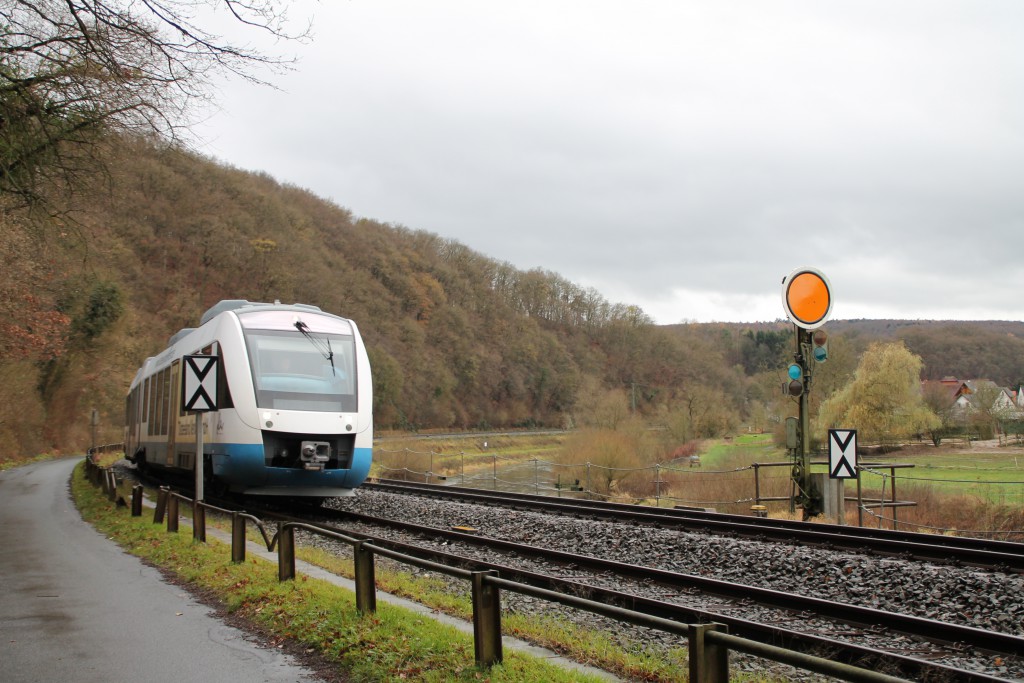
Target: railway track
[[954, 550], [911, 646], [884, 637]]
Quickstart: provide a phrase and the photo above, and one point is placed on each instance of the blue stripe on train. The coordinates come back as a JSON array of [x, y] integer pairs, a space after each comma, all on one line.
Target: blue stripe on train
[[243, 465]]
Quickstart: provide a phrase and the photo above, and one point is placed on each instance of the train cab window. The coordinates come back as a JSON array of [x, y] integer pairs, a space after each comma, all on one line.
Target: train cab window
[[291, 373]]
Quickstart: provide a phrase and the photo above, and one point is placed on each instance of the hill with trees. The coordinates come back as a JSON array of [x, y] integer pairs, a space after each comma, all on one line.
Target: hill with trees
[[458, 340]]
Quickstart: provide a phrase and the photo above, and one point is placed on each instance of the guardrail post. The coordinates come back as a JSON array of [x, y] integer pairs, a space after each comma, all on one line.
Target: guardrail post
[[486, 620], [161, 505], [172, 513], [285, 553], [366, 581], [709, 663], [137, 500], [757, 484], [237, 538], [112, 493], [198, 521]]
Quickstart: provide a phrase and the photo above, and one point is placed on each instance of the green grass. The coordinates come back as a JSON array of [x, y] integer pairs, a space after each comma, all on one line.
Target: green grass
[[739, 451], [451, 456], [991, 475]]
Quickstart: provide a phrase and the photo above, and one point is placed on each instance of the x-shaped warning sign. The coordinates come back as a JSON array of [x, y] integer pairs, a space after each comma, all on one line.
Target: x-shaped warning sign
[[199, 383], [842, 453]]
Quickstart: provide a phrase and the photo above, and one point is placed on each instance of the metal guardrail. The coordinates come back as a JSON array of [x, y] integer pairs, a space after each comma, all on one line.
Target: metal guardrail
[[709, 644]]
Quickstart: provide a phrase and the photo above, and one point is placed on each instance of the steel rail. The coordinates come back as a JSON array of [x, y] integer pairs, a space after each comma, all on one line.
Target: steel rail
[[927, 629], [989, 554], [764, 633]]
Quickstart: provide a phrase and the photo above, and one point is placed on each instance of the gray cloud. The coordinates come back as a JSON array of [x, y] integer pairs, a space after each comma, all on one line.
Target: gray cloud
[[681, 156]]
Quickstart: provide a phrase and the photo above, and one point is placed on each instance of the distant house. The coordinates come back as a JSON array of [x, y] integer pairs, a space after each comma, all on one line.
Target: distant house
[[954, 389], [965, 394]]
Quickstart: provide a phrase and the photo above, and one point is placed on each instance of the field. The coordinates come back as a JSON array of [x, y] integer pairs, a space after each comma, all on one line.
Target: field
[[985, 471], [957, 488]]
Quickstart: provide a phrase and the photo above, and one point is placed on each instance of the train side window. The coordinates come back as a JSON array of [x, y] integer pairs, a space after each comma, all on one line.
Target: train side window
[[154, 405], [145, 399], [148, 405], [166, 405], [158, 408], [158, 402]]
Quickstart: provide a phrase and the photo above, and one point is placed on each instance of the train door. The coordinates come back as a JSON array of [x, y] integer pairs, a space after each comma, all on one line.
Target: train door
[[173, 410]]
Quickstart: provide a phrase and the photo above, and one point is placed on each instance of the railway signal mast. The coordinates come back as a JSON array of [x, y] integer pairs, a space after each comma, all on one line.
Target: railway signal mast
[[807, 298]]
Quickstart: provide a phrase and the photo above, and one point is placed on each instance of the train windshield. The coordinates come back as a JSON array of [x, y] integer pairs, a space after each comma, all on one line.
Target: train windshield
[[296, 371]]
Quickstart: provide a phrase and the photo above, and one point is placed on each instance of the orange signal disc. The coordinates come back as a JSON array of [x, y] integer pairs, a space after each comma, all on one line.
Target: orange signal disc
[[808, 298]]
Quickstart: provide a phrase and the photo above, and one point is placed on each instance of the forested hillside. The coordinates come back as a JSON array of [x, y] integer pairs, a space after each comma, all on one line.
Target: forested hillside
[[458, 339]]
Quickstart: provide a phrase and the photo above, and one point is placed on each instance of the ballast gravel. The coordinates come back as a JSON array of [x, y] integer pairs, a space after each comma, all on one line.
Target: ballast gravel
[[982, 599]]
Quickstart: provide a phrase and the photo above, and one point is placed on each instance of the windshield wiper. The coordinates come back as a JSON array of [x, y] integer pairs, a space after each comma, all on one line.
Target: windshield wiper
[[321, 345]]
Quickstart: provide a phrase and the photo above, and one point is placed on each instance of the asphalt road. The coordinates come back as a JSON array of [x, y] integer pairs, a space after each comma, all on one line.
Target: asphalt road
[[75, 608]]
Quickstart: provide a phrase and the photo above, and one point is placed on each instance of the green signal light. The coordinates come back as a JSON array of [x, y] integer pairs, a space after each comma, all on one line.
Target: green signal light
[[795, 372]]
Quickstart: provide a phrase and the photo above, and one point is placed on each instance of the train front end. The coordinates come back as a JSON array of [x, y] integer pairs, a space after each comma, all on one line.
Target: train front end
[[310, 401]]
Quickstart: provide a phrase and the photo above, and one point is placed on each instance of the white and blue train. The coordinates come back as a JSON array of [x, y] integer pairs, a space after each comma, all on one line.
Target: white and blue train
[[294, 403]]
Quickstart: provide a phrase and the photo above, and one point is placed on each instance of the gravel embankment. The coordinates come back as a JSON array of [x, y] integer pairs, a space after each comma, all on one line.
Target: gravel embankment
[[986, 600]]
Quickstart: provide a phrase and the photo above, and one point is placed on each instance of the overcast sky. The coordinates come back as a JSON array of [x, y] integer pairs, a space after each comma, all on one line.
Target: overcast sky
[[682, 156]]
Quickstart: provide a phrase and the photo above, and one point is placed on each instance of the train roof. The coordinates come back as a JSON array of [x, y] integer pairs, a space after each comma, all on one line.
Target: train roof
[[235, 304]]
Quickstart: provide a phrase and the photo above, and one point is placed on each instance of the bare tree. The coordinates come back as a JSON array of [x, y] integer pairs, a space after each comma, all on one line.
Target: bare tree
[[72, 71]]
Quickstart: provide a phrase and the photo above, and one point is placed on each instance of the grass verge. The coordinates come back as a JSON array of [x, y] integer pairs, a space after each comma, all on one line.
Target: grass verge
[[392, 644]]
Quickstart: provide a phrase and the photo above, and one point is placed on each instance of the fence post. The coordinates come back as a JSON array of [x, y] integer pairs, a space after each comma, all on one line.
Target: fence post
[[657, 485], [486, 620], [892, 471], [237, 538], [137, 500], [366, 581], [860, 498], [285, 553], [172, 513], [161, 505], [198, 521], [709, 663], [757, 483]]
